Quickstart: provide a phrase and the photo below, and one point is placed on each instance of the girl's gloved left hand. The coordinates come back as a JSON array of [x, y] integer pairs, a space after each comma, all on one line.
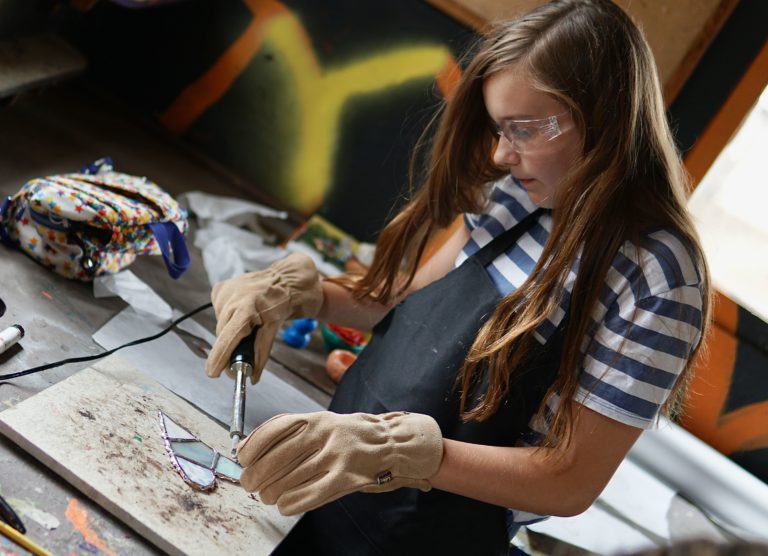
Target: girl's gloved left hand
[[302, 461]]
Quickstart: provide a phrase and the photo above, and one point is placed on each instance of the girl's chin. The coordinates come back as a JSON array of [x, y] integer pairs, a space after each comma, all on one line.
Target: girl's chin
[[542, 201]]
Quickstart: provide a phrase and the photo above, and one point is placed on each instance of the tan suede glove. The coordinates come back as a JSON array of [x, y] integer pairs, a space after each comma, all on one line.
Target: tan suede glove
[[289, 288], [302, 461]]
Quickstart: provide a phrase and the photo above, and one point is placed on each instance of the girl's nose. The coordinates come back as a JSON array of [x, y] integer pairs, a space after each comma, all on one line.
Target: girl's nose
[[505, 154]]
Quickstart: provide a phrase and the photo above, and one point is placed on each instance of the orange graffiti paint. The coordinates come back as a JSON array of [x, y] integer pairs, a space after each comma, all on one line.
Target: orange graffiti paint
[[203, 93], [78, 516], [742, 429]]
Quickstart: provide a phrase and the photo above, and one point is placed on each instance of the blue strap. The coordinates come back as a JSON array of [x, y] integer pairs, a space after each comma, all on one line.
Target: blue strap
[[171, 241], [102, 164], [3, 231]]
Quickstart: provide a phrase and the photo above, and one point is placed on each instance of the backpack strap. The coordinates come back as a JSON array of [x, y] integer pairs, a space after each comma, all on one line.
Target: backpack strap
[[173, 247], [3, 210]]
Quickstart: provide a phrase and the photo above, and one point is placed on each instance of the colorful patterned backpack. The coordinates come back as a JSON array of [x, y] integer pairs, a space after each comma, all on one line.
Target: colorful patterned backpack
[[95, 222]]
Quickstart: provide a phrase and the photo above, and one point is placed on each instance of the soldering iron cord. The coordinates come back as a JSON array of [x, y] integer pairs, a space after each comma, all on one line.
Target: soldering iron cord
[[108, 352]]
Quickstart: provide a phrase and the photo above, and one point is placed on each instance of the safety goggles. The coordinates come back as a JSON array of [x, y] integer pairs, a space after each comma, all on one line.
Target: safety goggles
[[530, 135]]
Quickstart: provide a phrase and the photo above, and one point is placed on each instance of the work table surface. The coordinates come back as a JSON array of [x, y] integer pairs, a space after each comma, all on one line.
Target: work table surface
[[59, 130]]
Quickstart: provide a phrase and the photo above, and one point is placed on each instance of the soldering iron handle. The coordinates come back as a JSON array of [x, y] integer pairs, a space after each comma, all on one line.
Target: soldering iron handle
[[244, 350]]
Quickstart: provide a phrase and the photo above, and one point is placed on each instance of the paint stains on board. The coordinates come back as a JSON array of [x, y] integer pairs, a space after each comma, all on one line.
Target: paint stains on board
[[87, 414], [81, 520]]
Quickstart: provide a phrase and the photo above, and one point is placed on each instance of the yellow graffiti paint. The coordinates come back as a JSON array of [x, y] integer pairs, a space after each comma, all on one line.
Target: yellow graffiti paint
[[318, 94], [322, 94]]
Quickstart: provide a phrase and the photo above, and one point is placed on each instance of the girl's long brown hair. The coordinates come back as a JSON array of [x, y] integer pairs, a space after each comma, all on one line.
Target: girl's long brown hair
[[591, 57]]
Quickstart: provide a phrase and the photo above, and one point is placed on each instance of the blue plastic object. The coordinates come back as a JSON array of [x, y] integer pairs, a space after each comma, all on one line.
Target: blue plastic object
[[299, 333]]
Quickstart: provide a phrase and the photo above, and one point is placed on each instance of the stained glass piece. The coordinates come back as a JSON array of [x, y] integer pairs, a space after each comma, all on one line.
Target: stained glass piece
[[173, 430], [195, 451], [194, 459], [203, 478], [228, 469]]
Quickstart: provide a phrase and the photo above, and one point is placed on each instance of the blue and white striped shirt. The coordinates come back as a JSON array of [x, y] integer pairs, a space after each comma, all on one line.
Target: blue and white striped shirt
[[645, 326]]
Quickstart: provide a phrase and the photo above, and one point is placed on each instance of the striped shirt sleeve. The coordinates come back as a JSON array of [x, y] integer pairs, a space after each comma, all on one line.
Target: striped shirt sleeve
[[650, 322]]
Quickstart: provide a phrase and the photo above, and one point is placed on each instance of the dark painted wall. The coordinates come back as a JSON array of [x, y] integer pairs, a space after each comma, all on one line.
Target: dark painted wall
[[327, 104]]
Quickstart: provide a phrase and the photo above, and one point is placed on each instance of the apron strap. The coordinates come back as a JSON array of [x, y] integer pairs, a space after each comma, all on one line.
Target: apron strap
[[507, 239]]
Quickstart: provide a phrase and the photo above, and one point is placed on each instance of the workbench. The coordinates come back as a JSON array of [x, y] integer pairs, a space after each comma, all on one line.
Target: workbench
[[57, 130]]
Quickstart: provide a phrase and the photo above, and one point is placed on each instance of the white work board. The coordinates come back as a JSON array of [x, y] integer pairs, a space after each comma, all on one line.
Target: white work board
[[99, 430]]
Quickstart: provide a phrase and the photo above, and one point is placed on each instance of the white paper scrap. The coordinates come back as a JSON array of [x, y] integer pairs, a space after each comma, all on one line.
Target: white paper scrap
[[134, 291], [229, 251], [217, 207], [174, 365]]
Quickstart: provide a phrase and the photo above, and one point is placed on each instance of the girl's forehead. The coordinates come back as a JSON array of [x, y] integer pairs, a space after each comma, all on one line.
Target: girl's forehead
[[512, 94]]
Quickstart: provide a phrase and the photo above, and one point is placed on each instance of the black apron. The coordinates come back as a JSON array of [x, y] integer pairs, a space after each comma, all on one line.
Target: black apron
[[411, 364]]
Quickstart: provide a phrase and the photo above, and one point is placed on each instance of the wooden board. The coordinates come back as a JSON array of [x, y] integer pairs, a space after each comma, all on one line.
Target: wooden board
[[99, 430]]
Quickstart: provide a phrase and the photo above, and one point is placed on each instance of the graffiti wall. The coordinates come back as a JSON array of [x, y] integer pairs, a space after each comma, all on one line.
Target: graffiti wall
[[316, 103], [727, 403]]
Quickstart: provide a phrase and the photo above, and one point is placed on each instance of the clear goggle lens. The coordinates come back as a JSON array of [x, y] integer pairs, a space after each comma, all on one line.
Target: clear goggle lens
[[530, 135]]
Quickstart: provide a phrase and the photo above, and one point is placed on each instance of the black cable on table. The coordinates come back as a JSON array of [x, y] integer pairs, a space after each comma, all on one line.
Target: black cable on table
[[108, 352]]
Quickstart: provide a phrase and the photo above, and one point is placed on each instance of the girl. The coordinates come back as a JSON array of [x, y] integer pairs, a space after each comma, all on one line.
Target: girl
[[517, 367]]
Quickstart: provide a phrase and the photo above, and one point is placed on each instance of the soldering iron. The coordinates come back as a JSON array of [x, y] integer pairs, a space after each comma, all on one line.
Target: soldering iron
[[241, 367]]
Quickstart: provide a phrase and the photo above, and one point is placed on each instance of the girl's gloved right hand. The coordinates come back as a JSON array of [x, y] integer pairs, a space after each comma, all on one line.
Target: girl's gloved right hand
[[290, 288]]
